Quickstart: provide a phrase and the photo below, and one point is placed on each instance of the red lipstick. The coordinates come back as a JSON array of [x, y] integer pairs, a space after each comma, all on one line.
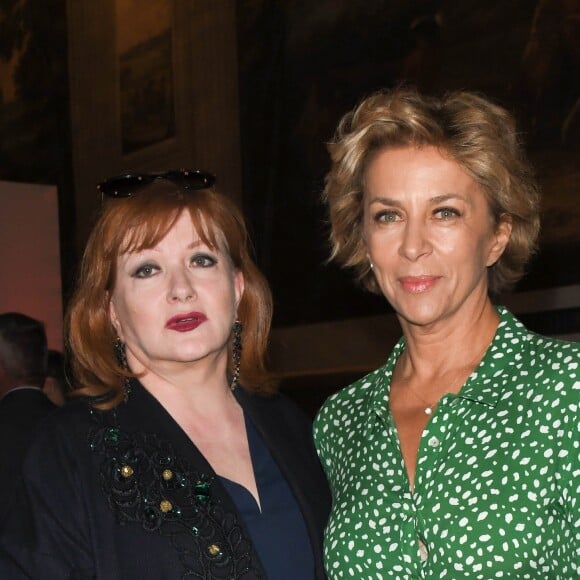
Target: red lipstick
[[418, 284], [186, 321]]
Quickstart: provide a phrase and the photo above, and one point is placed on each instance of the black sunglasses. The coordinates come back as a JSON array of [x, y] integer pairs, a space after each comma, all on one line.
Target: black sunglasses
[[129, 184]]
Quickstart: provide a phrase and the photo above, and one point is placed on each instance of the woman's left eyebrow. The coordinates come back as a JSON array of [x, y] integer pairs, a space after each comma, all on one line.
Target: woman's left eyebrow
[[446, 197]]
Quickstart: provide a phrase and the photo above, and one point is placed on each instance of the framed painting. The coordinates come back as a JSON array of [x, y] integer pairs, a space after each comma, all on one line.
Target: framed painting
[[144, 40], [153, 87], [303, 65]]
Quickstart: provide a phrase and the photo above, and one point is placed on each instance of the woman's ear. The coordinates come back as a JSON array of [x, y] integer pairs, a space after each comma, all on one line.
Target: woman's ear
[[500, 239], [114, 319], [239, 286]]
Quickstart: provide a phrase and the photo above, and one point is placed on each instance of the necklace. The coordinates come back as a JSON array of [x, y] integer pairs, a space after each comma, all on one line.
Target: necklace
[[465, 373], [429, 408]]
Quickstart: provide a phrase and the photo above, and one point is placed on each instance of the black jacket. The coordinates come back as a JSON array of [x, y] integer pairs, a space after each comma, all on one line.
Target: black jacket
[[125, 494], [21, 410]]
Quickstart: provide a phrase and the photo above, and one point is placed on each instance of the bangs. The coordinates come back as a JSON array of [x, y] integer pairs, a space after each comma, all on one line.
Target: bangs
[[146, 231], [144, 220]]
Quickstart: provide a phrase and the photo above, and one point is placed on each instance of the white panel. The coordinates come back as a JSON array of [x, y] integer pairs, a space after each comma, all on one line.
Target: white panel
[[30, 279]]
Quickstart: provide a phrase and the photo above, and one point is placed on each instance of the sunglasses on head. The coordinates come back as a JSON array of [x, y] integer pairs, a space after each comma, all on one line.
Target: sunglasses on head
[[129, 184]]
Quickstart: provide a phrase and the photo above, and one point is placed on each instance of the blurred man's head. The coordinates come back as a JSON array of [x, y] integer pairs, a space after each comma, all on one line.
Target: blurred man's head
[[23, 351]]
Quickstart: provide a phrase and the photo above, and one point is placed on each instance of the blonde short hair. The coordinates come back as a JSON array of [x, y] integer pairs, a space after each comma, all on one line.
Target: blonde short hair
[[471, 130]]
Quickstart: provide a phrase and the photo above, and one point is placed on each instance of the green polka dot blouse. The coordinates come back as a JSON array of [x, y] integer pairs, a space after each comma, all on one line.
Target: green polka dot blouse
[[497, 478]]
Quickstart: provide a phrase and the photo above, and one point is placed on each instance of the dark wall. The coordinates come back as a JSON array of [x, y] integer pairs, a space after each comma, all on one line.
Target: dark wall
[[302, 65]]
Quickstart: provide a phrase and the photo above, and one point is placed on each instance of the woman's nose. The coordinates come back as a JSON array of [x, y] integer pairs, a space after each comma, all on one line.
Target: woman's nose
[[415, 242], [181, 287]]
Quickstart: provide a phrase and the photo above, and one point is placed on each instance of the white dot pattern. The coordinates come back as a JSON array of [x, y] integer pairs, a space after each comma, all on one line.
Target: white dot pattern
[[497, 478]]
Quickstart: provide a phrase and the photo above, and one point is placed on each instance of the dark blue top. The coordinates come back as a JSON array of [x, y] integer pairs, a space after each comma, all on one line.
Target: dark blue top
[[278, 532]]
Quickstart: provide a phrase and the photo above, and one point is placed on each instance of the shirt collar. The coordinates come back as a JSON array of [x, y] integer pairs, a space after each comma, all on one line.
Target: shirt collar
[[381, 381], [501, 361]]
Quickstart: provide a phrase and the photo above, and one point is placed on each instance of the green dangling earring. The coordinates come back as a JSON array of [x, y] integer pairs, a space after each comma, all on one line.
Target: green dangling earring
[[236, 353], [121, 357]]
